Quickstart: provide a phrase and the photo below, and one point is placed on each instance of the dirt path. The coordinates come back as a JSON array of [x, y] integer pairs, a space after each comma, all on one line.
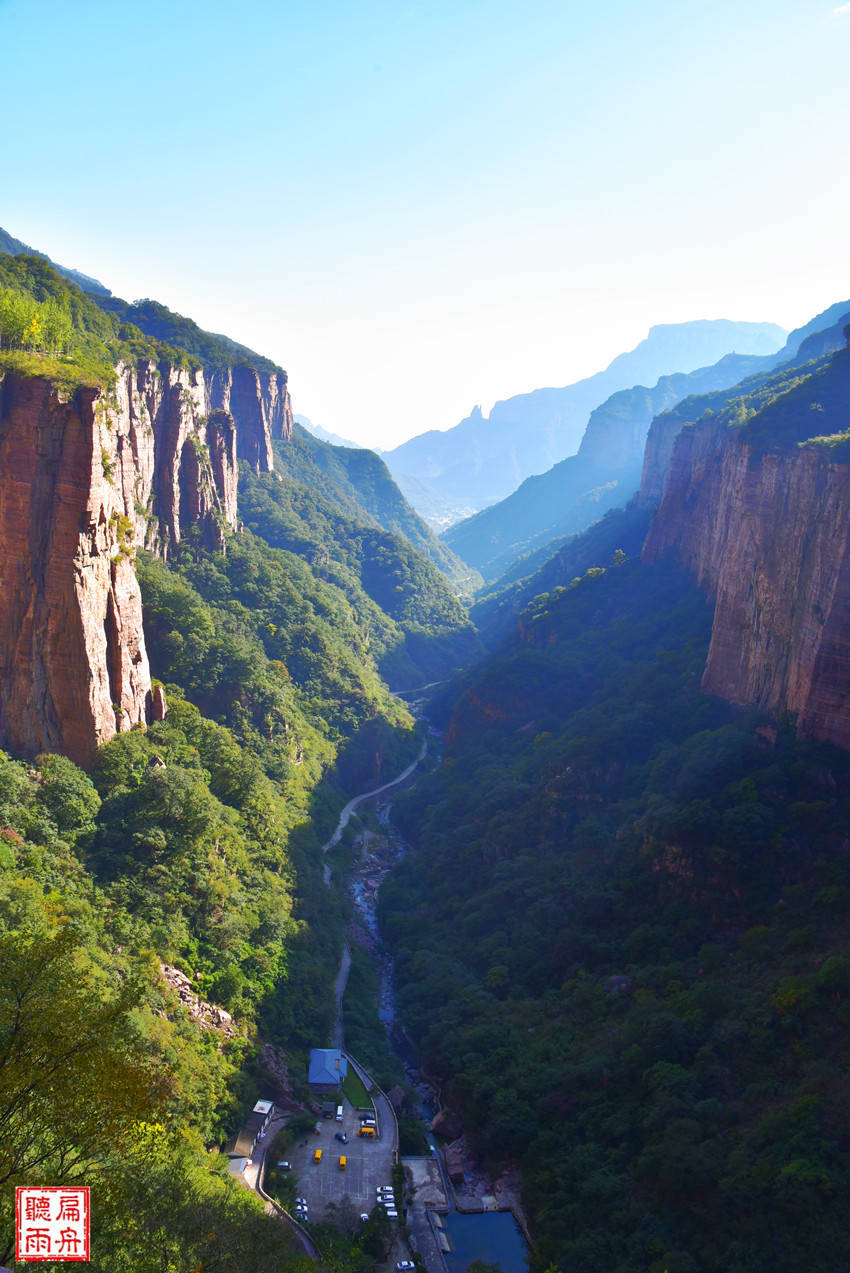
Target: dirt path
[[367, 795]]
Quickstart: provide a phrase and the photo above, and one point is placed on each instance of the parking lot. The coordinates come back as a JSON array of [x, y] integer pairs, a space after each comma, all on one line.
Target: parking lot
[[368, 1164]]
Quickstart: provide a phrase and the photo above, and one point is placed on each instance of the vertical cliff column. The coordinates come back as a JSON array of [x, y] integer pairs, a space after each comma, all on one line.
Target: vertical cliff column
[[259, 404], [208, 479], [278, 406], [71, 643]]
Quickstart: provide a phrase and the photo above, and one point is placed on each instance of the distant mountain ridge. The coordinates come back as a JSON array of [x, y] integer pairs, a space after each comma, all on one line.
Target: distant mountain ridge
[[483, 459], [359, 483], [556, 564], [606, 472], [333, 439]]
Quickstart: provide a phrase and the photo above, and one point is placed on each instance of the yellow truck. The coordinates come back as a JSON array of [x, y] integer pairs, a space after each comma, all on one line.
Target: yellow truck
[[368, 1132], [342, 1161], [317, 1157]]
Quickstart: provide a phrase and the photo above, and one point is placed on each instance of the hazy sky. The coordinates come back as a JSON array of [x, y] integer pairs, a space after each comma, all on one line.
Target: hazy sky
[[415, 207]]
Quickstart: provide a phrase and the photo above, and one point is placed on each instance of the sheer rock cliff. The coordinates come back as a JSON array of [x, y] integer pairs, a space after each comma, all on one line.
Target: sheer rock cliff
[[765, 533], [84, 480]]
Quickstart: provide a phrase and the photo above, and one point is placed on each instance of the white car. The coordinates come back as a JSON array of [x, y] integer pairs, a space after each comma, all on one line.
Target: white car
[[392, 1214], [405, 1264], [364, 1215]]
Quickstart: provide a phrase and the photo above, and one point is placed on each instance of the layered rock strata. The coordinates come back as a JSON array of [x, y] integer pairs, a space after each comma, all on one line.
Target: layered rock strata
[[259, 403], [73, 666], [83, 482], [766, 535], [179, 434]]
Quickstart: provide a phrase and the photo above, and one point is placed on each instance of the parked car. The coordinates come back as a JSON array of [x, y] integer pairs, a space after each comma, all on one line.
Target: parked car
[[285, 1166], [405, 1264], [341, 1136], [301, 1202], [364, 1215], [392, 1214]]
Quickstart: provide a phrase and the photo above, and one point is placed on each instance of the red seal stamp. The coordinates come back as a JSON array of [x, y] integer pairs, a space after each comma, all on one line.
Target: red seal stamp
[[52, 1222]]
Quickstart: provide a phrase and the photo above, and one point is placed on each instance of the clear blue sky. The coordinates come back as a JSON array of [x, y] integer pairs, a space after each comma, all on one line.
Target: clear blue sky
[[420, 206]]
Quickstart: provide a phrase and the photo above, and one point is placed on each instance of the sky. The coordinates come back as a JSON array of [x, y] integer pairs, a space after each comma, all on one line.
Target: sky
[[419, 207]]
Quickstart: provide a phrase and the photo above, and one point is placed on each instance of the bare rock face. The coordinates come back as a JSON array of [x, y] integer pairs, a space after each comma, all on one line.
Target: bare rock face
[[446, 1124], [175, 459], [259, 402], [274, 1064], [767, 536], [208, 1015], [83, 482], [73, 666], [657, 457]]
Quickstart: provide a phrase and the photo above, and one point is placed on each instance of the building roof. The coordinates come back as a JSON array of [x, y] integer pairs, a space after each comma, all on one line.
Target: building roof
[[241, 1145], [328, 1067], [264, 1107]]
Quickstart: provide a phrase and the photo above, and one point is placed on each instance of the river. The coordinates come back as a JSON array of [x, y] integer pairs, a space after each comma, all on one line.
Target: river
[[490, 1235]]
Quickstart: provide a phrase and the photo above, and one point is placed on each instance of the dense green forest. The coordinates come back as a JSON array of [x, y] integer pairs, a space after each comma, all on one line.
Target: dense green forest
[[621, 936], [359, 483], [195, 843], [49, 327], [412, 624], [621, 942]]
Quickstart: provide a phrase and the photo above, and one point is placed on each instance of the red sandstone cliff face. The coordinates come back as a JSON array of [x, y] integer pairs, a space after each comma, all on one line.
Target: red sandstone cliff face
[[73, 667], [82, 483], [173, 463], [259, 403], [766, 534], [179, 435]]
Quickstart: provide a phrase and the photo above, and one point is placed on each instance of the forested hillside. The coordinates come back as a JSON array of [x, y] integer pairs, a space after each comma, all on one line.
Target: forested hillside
[[621, 941], [410, 621], [195, 842], [360, 484]]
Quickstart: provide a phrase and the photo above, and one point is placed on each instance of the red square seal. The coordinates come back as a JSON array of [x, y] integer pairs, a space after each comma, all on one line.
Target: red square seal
[[52, 1222]]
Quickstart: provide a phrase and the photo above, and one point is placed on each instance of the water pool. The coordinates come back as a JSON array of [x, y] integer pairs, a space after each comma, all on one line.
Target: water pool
[[491, 1236]]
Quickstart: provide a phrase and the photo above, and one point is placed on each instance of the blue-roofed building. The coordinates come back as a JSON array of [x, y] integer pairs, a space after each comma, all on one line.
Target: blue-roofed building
[[328, 1068]]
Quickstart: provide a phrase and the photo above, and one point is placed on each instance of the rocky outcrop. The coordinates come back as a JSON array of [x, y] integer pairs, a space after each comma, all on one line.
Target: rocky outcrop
[[766, 534], [84, 480], [208, 1015]]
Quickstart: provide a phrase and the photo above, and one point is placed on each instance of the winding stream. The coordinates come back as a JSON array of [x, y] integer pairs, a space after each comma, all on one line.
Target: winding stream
[[488, 1235]]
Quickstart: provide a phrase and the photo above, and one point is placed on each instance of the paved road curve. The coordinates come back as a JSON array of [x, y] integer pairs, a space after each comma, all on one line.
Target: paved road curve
[[367, 795], [253, 1175]]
